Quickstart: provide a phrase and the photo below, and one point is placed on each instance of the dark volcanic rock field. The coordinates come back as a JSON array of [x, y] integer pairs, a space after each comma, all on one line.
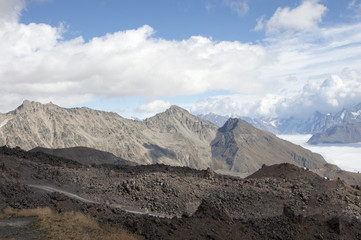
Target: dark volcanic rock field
[[162, 202]]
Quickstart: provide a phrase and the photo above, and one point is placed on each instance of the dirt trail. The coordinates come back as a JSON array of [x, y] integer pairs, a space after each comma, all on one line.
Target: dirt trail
[[123, 208]]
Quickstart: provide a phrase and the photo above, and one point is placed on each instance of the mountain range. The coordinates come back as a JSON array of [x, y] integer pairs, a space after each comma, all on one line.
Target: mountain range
[[174, 137], [88, 174], [339, 134], [318, 122]]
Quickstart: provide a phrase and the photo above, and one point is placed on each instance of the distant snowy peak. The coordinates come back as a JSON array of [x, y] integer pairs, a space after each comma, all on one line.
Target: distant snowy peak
[[216, 119], [267, 124], [318, 122]]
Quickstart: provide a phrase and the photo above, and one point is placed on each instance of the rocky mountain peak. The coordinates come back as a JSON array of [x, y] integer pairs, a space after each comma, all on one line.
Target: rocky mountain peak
[[173, 114], [29, 105], [176, 111], [236, 123], [32, 106]]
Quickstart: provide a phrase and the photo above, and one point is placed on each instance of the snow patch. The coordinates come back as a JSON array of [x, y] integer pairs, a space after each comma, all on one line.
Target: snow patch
[[3, 123], [343, 115], [273, 123], [356, 114]]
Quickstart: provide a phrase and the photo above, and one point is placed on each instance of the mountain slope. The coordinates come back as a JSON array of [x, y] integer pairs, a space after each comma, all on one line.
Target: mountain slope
[[34, 124], [181, 136], [85, 156], [174, 137], [239, 147], [348, 133]]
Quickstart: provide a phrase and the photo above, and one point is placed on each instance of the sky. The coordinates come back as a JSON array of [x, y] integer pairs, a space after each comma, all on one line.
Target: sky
[[252, 58]]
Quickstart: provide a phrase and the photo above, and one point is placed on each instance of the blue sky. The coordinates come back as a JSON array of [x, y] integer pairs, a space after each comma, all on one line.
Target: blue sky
[[232, 57], [177, 19]]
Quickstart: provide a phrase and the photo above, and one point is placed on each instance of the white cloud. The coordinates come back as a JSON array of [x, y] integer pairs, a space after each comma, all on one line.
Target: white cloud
[[329, 95], [305, 17], [304, 77], [345, 156], [260, 24], [10, 10], [37, 63], [226, 105], [154, 107], [241, 7]]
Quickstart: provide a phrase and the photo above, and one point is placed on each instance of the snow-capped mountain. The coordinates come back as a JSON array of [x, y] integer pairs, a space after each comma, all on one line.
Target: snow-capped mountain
[[318, 122], [216, 119]]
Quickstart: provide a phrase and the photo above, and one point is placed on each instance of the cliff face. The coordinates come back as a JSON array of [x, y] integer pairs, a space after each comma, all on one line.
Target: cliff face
[[174, 137]]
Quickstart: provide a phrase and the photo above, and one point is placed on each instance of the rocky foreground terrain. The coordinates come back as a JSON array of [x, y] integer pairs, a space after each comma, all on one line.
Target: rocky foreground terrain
[[163, 202]]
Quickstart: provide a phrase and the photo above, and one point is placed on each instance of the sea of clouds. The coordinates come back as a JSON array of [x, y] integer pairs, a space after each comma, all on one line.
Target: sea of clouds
[[345, 156]]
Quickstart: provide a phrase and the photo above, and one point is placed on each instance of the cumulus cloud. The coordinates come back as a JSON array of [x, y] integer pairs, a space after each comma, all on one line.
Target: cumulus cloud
[[38, 64], [10, 10], [304, 77], [36, 61], [227, 105], [330, 95], [305, 17]]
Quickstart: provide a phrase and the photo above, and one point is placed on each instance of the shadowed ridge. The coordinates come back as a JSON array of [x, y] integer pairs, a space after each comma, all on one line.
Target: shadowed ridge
[[85, 155]]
